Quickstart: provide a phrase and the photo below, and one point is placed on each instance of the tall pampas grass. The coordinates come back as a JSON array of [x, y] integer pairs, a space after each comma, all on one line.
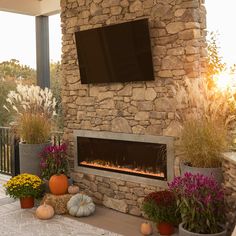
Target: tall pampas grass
[[205, 115]]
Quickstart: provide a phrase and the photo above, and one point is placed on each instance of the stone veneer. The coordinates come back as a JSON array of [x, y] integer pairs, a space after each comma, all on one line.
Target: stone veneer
[[177, 29], [229, 168]]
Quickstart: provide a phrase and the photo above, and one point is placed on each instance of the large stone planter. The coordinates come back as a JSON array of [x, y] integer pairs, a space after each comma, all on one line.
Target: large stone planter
[[29, 157], [217, 173], [184, 232]]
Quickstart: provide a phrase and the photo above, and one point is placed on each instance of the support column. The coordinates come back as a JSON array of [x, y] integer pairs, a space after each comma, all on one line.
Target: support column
[[42, 51]]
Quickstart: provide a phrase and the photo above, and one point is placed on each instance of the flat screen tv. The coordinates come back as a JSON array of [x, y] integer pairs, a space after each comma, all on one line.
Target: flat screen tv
[[116, 53]]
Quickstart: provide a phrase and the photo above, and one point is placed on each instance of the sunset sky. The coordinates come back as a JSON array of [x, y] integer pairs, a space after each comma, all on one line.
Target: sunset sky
[[18, 33]]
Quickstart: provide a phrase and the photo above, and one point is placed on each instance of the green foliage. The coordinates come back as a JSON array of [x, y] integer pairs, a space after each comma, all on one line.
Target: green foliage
[[5, 88], [24, 185], [56, 77], [13, 69]]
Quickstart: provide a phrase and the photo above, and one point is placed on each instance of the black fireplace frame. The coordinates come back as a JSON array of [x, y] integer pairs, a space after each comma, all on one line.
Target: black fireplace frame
[[125, 142]]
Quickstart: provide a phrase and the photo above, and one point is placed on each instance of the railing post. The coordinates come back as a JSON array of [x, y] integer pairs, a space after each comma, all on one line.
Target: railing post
[[16, 160]]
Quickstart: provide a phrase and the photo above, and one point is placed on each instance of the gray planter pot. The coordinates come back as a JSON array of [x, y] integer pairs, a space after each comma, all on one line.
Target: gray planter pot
[[184, 232], [29, 157], [210, 172]]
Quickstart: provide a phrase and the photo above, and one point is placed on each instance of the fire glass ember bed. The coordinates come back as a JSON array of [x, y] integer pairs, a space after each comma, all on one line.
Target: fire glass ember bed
[[128, 157]]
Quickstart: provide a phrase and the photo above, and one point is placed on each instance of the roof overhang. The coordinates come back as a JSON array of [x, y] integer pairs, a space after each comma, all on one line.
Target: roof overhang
[[31, 7]]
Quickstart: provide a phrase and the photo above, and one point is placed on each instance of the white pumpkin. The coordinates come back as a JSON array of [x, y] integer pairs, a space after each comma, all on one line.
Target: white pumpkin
[[80, 205]]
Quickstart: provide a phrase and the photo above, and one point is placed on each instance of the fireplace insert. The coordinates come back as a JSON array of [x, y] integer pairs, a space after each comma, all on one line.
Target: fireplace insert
[[128, 157]]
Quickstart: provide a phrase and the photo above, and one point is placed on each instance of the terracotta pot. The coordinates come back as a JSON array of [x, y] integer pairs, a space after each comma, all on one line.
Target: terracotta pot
[[58, 184], [27, 202], [165, 228]]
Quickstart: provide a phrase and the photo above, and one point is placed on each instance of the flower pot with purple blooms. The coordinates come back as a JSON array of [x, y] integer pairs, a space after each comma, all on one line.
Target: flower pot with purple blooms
[[53, 161], [201, 204]]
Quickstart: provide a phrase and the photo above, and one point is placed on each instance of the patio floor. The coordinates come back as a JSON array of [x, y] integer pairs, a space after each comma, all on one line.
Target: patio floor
[[24, 222]]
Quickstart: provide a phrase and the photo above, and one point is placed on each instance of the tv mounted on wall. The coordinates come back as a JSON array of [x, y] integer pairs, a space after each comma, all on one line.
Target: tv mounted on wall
[[116, 53]]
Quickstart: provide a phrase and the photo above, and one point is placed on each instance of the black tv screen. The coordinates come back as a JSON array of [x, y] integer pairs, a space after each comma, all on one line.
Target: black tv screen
[[116, 53]]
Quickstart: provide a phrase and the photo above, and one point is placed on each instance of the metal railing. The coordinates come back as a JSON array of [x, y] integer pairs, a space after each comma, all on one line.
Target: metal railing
[[9, 150]]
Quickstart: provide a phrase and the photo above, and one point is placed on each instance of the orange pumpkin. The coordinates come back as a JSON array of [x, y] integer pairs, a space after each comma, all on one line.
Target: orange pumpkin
[[58, 184]]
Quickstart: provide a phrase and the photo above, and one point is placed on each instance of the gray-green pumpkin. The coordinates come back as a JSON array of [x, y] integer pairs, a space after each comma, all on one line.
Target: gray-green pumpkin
[[80, 205]]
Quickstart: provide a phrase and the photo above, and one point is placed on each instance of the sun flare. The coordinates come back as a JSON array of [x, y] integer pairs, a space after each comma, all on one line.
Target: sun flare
[[225, 81]]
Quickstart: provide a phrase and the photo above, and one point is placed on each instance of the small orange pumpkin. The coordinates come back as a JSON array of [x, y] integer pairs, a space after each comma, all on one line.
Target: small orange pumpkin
[[45, 212], [58, 184], [73, 189], [146, 228]]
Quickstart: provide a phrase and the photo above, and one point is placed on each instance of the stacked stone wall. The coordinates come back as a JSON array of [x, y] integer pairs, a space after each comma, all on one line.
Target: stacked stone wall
[[177, 30], [229, 168]]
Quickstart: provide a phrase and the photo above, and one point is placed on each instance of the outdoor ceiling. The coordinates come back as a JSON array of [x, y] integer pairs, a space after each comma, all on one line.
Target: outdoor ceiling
[[31, 7]]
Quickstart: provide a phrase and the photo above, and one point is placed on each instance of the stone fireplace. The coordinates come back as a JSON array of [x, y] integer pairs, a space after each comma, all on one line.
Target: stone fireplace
[[128, 155], [141, 113]]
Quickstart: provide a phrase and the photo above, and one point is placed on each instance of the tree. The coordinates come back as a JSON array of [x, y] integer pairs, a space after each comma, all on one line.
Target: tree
[[55, 76], [13, 70], [215, 64]]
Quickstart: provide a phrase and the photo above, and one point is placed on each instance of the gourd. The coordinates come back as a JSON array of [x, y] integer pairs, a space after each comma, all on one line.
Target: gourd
[[73, 189], [146, 228], [80, 205], [58, 184], [45, 212]]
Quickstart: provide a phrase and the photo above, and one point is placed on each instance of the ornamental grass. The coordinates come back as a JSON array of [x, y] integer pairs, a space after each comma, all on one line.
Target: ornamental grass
[[24, 185]]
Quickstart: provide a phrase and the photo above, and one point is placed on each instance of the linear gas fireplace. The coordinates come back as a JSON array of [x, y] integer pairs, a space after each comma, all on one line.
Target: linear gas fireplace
[[136, 155]]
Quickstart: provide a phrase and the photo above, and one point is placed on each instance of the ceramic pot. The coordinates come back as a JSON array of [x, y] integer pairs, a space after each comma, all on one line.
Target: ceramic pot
[[58, 184], [27, 202], [29, 157], [184, 232], [165, 228], [210, 172]]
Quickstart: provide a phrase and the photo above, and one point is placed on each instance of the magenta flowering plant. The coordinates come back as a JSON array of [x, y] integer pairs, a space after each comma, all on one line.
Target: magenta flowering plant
[[53, 160], [200, 200]]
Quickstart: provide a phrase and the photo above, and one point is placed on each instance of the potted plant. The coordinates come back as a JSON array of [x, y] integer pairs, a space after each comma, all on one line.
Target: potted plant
[[200, 200], [26, 187], [34, 110], [203, 143], [54, 167], [161, 208], [204, 115]]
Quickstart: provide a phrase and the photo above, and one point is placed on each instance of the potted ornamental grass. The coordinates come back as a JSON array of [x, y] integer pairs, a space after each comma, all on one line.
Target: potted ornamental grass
[[26, 187], [54, 167], [161, 208], [200, 201], [204, 115], [203, 143], [34, 111]]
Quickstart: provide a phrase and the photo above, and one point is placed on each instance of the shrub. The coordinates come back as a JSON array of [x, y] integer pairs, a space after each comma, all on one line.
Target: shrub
[[200, 200], [161, 207]]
